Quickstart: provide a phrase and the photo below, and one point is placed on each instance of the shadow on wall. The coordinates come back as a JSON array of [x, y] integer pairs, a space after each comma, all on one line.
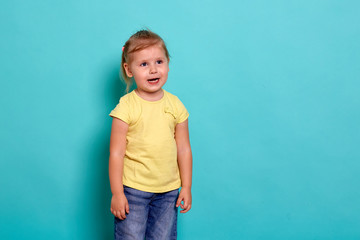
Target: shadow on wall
[[96, 196]]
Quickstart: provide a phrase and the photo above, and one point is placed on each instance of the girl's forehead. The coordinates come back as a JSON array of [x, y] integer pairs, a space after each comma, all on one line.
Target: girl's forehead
[[154, 51]]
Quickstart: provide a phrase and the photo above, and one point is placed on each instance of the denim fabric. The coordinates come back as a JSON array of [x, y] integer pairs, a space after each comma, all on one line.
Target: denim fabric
[[152, 216]]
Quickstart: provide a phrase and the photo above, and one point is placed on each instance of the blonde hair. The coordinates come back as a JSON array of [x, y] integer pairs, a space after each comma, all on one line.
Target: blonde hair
[[139, 41]]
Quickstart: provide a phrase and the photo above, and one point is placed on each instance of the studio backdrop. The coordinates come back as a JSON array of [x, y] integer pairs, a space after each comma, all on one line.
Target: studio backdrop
[[273, 92]]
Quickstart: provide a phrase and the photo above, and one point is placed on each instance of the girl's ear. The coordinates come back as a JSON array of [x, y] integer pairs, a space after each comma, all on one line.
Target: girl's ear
[[127, 70]]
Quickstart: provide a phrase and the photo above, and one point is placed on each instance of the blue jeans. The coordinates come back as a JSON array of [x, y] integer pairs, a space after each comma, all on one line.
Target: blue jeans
[[152, 216]]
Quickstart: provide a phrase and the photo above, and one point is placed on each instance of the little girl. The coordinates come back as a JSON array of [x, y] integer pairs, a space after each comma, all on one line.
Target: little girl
[[150, 154]]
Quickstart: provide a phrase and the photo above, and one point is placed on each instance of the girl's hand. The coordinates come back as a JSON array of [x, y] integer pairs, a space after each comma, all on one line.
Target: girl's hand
[[119, 206], [184, 200]]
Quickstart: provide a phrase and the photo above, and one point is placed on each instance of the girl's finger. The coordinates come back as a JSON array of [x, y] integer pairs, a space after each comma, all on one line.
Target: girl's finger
[[178, 202], [186, 208], [127, 208], [122, 213]]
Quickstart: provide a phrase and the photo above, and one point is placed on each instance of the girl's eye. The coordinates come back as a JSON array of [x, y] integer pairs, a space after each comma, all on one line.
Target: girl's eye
[[144, 64], [159, 61]]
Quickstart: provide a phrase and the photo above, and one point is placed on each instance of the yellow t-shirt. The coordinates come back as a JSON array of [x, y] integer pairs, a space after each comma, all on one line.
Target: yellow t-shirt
[[150, 162]]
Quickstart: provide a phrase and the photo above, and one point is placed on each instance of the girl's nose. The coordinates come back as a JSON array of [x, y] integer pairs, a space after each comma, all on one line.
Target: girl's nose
[[153, 69]]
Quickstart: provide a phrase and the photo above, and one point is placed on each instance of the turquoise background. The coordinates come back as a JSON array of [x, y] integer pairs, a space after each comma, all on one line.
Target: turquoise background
[[272, 88]]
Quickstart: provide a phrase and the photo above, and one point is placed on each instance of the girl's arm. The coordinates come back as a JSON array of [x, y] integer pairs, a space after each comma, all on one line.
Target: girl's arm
[[119, 203], [184, 157]]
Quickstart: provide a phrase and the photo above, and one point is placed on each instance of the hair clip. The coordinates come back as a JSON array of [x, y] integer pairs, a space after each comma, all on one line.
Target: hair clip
[[123, 48]]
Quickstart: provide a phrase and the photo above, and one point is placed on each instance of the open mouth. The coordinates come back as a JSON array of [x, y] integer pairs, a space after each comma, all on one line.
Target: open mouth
[[153, 80]]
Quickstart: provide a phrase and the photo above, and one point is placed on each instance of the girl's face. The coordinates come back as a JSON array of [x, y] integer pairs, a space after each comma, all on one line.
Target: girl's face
[[150, 68]]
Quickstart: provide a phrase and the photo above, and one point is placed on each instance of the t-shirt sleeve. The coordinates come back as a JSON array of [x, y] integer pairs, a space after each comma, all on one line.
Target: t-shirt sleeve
[[121, 111], [183, 114]]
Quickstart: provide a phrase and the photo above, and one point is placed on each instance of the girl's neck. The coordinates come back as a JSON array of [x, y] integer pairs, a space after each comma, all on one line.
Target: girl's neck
[[152, 97]]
